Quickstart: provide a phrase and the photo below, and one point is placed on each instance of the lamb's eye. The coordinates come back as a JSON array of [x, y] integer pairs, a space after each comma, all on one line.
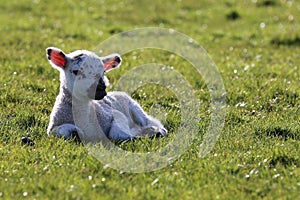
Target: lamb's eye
[[75, 72], [78, 56]]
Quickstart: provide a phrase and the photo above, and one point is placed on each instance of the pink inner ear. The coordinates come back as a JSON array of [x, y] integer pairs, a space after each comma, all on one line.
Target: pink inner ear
[[110, 64], [58, 58]]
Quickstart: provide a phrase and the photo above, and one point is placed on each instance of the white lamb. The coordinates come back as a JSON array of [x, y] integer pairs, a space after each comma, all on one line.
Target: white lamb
[[81, 79]]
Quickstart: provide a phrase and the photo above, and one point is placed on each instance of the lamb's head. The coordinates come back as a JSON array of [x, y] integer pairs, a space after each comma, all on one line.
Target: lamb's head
[[84, 69]]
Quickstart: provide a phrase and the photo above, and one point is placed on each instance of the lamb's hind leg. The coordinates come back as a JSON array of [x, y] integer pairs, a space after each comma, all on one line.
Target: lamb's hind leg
[[120, 127], [66, 131], [149, 125]]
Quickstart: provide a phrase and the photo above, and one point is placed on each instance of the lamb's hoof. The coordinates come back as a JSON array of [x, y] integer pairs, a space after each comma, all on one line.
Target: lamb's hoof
[[163, 132], [75, 136], [67, 134], [154, 132]]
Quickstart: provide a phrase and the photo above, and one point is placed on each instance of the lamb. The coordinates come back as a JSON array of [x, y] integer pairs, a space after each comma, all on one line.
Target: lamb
[[82, 81]]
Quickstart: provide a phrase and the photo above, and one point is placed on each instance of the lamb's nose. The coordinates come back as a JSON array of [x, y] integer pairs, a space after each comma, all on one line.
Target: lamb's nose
[[102, 84]]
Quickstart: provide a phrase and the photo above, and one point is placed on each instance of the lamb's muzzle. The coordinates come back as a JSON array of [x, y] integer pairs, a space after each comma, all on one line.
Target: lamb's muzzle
[[98, 92]]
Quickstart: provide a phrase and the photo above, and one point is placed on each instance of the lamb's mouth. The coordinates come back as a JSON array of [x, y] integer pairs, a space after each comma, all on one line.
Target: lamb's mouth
[[100, 94]]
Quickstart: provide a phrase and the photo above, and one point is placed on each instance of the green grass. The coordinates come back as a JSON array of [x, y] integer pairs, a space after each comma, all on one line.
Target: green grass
[[255, 45]]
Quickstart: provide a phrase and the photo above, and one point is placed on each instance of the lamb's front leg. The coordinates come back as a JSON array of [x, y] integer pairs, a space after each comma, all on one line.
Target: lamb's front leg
[[66, 131]]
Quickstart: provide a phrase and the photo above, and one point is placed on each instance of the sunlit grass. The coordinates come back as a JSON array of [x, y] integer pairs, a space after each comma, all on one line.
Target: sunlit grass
[[255, 45]]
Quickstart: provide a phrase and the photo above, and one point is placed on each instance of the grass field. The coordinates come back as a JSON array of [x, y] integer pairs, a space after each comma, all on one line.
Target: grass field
[[256, 47]]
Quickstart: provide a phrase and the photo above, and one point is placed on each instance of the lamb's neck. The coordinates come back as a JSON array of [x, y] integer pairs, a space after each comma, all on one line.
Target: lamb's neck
[[62, 110], [65, 97], [85, 118], [82, 105]]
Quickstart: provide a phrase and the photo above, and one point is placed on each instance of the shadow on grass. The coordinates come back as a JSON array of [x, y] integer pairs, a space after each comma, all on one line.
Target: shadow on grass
[[295, 41], [233, 15], [278, 132], [267, 3], [283, 160]]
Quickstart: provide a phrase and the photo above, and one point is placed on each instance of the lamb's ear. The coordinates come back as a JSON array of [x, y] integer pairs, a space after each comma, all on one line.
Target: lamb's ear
[[56, 57], [111, 61]]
